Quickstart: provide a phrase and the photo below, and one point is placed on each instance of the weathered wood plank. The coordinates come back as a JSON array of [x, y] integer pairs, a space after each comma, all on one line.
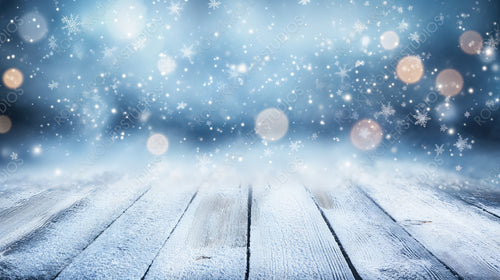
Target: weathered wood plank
[[29, 206], [126, 249], [43, 253], [210, 240], [457, 233], [378, 247], [290, 240]]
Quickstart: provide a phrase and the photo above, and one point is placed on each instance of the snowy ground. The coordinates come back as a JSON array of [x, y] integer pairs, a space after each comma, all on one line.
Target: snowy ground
[[293, 217]]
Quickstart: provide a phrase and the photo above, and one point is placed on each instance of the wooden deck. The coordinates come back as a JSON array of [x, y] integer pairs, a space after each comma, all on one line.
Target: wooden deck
[[291, 231]]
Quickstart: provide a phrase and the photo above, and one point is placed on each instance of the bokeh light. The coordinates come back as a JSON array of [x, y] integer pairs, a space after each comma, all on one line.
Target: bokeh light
[[366, 134], [471, 42], [410, 69], [389, 40], [449, 82], [157, 144], [5, 124], [271, 124], [126, 19], [166, 64], [33, 28], [13, 78]]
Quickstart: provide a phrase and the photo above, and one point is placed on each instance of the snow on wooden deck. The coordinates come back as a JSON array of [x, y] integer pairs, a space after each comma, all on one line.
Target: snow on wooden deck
[[315, 227]]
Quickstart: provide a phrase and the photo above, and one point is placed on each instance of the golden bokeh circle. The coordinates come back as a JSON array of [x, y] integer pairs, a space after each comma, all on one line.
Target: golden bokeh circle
[[13, 78], [471, 42], [410, 69], [5, 124], [449, 82], [366, 134]]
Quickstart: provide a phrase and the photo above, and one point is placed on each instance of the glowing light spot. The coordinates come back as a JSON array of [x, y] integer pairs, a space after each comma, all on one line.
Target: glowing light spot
[[471, 42], [271, 124], [389, 40], [366, 135], [449, 82], [126, 19], [34, 27], [410, 69], [13, 78], [37, 150], [242, 68], [157, 144], [5, 124]]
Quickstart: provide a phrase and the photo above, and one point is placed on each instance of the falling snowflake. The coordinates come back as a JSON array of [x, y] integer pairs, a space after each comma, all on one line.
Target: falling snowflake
[[268, 152], [188, 52], [439, 149], [359, 27], [14, 156], [467, 114], [492, 42], [364, 132], [421, 118], [295, 145], [213, 4], [462, 144], [415, 37], [71, 24], [403, 26], [304, 2], [52, 43], [53, 85], [443, 128], [458, 168], [342, 73], [386, 111], [204, 162], [175, 8], [181, 105]]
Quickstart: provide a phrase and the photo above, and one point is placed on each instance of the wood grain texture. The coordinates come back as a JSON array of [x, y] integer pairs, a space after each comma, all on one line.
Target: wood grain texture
[[126, 249], [460, 235], [210, 240], [45, 252], [378, 247], [290, 240]]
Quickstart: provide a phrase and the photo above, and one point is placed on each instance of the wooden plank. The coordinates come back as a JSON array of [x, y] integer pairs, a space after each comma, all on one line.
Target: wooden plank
[[483, 196], [33, 213], [126, 249], [458, 234], [210, 240], [43, 253], [28, 206], [378, 247], [290, 240]]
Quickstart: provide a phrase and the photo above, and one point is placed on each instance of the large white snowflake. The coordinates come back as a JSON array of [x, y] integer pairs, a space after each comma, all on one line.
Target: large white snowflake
[[52, 42], [304, 2], [359, 27], [421, 118], [342, 73], [415, 37], [439, 149], [71, 24], [188, 52], [295, 145], [213, 4], [386, 111], [462, 144], [403, 26]]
